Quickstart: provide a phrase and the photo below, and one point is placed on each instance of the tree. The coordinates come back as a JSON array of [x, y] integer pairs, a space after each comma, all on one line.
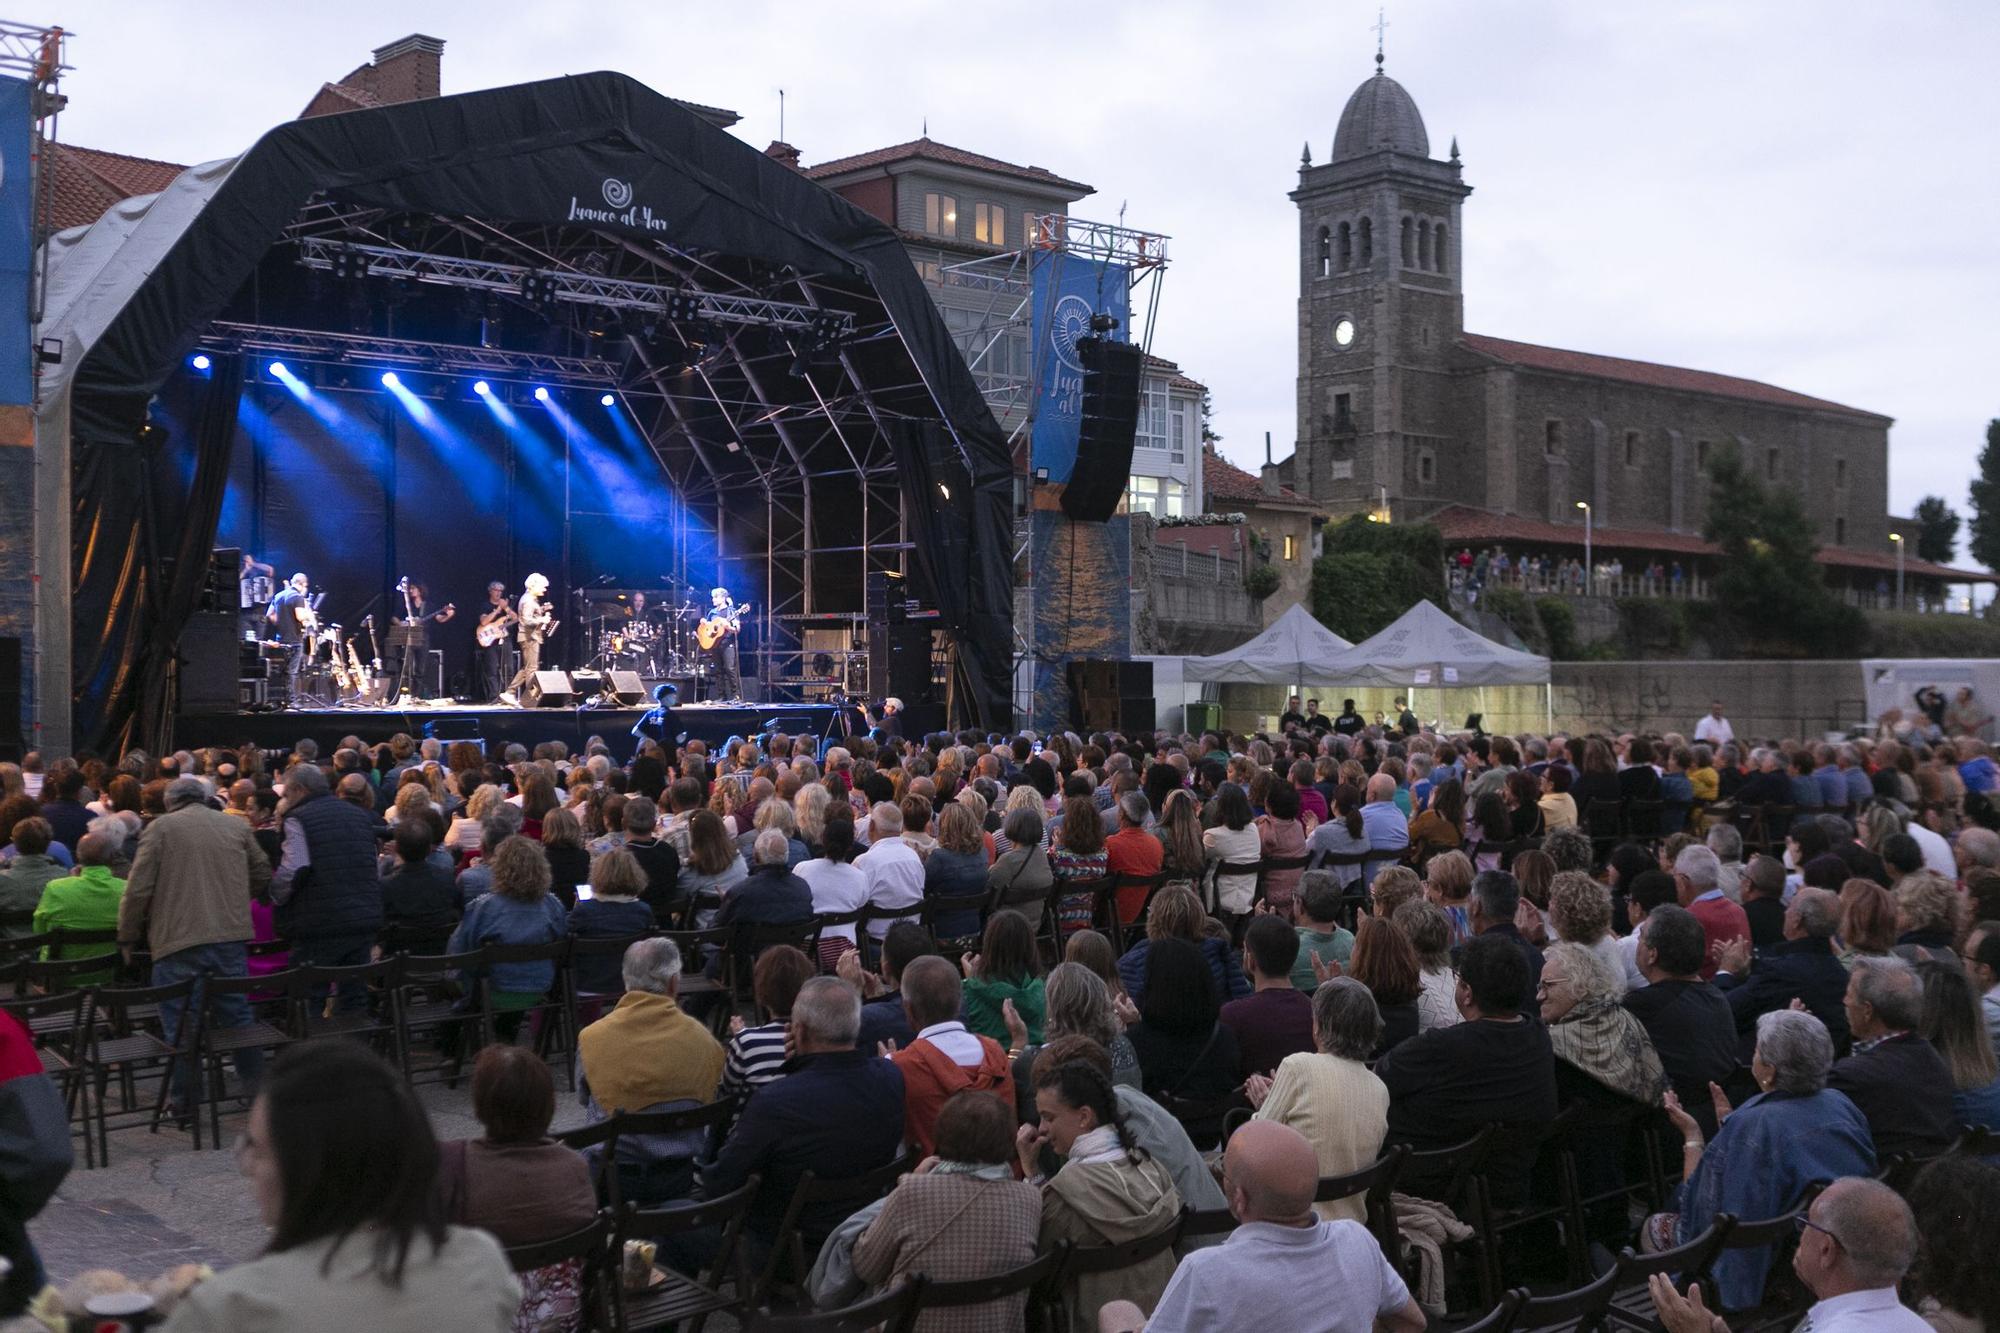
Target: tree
[[1209, 437], [1370, 573], [1937, 530], [1772, 595], [1985, 544]]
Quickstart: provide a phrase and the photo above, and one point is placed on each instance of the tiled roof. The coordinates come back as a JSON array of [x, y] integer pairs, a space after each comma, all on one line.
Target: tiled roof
[[1462, 525], [929, 150], [1223, 480], [88, 181], [1172, 370], [1534, 357]]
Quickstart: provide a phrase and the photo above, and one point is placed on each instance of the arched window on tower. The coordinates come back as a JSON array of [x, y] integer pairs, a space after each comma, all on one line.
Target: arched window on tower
[[1424, 244], [1367, 241], [1438, 247], [1409, 242], [1346, 245], [1325, 252]]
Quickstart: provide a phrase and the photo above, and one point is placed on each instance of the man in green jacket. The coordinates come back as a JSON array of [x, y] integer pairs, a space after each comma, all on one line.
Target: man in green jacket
[[87, 900]]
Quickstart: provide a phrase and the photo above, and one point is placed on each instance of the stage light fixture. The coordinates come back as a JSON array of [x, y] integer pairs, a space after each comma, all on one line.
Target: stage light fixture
[[201, 362], [541, 394], [607, 400], [278, 369], [390, 380], [482, 388]]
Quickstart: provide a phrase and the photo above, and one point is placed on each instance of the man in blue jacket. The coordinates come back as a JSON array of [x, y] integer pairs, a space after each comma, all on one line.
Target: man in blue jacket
[[1801, 968]]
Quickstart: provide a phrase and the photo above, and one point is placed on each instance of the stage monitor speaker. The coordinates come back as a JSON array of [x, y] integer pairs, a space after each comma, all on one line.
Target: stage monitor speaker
[[549, 689], [921, 720], [452, 729], [209, 662], [1104, 436], [11, 744], [627, 688]]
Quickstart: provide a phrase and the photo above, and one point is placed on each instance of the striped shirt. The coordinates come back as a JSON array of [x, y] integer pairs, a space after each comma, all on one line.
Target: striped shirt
[[755, 1057]]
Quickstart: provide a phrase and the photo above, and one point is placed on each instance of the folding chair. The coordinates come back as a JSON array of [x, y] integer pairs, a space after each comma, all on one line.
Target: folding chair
[[789, 1246], [671, 1297], [60, 1024], [591, 1248], [122, 1043], [1087, 1259], [952, 945], [375, 1024], [430, 997], [605, 1136], [1033, 1280], [1501, 1318], [1583, 1309], [1632, 1304], [1378, 1182], [545, 1014], [1136, 927], [829, 945], [278, 1027], [894, 1311]]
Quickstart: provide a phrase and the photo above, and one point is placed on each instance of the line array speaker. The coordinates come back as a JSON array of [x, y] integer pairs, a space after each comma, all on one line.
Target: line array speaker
[[1111, 372]]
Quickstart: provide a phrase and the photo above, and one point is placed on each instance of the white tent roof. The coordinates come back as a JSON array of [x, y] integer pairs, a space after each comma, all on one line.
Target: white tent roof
[[1427, 647], [1293, 651]]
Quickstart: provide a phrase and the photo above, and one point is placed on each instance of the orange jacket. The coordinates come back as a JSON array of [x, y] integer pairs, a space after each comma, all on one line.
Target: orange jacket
[[930, 1077]]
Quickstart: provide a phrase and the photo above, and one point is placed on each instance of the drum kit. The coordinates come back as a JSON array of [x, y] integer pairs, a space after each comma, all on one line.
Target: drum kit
[[661, 648]]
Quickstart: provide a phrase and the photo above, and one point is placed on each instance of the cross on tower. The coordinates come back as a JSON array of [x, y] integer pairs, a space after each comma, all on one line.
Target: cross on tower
[[1381, 26]]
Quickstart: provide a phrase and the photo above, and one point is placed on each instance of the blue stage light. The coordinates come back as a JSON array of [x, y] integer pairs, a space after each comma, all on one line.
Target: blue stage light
[[390, 380], [278, 369], [482, 388], [200, 362], [541, 394], [607, 400]]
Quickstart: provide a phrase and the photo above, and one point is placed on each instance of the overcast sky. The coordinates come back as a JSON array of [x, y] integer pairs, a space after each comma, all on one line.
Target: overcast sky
[[1802, 192]]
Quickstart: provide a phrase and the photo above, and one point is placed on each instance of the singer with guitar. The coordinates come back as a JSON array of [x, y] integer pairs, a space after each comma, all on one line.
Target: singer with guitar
[[489, 657], [290, 620], [717, 634], [537, 622], [409, 637]]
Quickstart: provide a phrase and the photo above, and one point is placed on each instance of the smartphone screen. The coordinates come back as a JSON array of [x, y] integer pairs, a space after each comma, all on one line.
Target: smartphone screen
[[583, 893]]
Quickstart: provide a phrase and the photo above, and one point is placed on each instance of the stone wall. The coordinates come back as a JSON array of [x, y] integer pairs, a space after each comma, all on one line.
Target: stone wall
[[1761, 699]]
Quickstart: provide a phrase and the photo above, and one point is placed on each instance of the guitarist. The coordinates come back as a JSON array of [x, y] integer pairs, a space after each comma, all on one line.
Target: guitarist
[[418, 615], [724, 614], [489, 655], [536, 619], [288, 619]]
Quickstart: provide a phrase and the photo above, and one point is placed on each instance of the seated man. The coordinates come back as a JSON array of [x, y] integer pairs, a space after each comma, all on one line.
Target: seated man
[[647, 1055], [945, 1058], [883, 1017], [1490, 910], [87, 900], [1688, 1019], [770, 896], [1801, 967], [1276, 1019], [1284, 1266], [1496, 1067], [1897, 1079], [837, 1112]]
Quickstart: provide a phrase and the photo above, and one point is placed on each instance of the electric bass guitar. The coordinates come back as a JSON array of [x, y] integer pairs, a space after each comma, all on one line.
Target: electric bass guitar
[[712, 630], [493, 631]]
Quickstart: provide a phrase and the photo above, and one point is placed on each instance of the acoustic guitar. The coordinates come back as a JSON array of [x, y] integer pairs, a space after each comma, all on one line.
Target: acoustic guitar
[[712, 630]]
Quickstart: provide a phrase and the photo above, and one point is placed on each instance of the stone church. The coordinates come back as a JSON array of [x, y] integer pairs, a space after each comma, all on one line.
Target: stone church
[[1401, 408]]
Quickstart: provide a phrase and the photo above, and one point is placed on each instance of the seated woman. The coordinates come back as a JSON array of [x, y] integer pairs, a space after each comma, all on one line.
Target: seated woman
[[1956, 1204], [613, 911], [1448, 883], [1177, 915], [1076, 854], [1281, 832], [569, 863], [1955, 1025], [1386, 963], [1185, 1052], [419, 900], [1429, 933], [1440, 826], [1079, 1005], [1022, 876], [1007, 967], [1604, 1060], [1341, 835], [960, 1215], [519, 1184], [519, 910], [1107, 1191], [712, 867], [756, 1055], [1232, 841], [343, 1168], [1792, 1133], [956, 868], [1330, 1095]]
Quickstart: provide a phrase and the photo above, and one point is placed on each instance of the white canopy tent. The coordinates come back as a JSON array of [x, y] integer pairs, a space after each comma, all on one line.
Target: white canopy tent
[[1293, 651], [1425, 648]]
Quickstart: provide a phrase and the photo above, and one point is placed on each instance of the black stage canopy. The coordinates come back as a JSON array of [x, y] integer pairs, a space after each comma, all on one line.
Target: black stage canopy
[[831, 432]]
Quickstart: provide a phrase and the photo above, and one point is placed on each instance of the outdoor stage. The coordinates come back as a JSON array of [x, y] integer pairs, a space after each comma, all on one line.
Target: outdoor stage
[[493, 725]]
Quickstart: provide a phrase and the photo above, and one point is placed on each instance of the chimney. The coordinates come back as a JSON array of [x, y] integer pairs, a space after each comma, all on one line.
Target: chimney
[[1268, 474], [780, 151], [407, 70]]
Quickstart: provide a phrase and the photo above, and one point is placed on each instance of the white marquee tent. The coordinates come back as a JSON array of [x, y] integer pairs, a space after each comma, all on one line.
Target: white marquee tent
[[1424, 646], [1293, 651]]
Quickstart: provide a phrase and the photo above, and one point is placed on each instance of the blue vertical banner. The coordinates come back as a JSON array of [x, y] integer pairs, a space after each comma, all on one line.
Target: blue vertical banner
[[17, 237], [1068, 292]]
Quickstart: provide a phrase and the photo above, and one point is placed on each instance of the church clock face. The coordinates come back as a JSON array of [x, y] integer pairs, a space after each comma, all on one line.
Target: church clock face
[[1343, 332]]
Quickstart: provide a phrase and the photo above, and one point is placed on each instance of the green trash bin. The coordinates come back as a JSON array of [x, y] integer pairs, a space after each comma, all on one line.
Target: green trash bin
[[1203, 716]]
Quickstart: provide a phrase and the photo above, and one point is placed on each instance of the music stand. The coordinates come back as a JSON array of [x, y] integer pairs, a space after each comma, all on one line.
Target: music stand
[[414, 641]]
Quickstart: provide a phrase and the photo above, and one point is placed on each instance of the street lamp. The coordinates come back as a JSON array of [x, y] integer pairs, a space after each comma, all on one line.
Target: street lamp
[[1589, 570], [1897, 538]]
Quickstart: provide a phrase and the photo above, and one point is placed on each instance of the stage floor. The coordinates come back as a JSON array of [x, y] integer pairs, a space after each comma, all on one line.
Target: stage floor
[[495, 723]]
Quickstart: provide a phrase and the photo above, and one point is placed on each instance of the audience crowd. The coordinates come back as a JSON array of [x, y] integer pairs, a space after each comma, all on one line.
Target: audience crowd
[[1061, 990]]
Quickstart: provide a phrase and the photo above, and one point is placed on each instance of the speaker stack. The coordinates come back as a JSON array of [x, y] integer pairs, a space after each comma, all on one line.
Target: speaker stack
[[1106, 695], [1111, 372], [11, 744]]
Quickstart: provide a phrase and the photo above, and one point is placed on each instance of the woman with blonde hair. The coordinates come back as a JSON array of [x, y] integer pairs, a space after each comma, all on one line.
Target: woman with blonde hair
[[1021, 796], [1177, 915], [809, 813], [1179, 831], [412, 798], [463, 835], [1448, 883], [1580, 914]]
